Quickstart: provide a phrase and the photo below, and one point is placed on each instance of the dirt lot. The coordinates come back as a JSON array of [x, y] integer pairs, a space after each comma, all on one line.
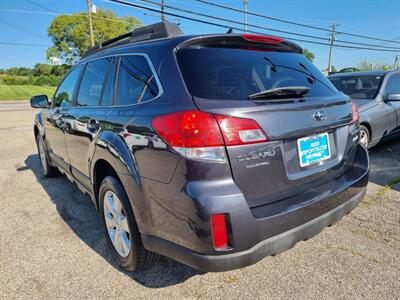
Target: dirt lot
[[52, 245]]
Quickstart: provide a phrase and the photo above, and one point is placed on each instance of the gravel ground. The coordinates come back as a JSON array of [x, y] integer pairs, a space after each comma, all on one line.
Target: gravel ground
[[52, 246]]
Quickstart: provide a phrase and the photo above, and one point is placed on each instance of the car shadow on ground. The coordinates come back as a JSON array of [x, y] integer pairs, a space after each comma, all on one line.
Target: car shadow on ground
[[78, 211], [385, 164]]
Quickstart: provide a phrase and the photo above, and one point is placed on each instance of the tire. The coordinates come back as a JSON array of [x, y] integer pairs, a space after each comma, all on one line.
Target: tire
[[47, 169], [119, 222], [364, 136]]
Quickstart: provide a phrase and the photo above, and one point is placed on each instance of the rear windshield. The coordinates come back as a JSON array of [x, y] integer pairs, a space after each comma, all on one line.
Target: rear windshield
[[235, 73], [358, 87]]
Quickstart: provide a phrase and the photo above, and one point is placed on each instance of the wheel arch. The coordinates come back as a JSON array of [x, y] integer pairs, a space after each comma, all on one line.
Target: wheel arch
[[112, 157], [368, 126], [101, 170]]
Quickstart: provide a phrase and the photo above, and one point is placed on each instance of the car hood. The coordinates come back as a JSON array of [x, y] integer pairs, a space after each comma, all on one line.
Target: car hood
[[364, 104]]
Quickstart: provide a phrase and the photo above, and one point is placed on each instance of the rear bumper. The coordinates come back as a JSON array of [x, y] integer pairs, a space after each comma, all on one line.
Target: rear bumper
[[256, 234], [271, 246]]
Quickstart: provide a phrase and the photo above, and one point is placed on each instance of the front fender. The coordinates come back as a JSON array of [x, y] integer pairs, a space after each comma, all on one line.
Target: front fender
[[38, 123]]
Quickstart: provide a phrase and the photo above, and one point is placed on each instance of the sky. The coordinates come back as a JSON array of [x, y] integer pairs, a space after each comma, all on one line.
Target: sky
[[30, 19]]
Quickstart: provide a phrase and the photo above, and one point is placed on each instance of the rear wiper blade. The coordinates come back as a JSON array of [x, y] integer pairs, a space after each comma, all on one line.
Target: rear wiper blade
[[281, 92]]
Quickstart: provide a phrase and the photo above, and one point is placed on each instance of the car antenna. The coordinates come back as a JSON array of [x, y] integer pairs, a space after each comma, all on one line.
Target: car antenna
[[230, 30]]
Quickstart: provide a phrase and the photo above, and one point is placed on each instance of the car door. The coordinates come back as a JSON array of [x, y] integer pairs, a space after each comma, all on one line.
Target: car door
[[57, 117], [393, 87], [137, 84], [88, 115]]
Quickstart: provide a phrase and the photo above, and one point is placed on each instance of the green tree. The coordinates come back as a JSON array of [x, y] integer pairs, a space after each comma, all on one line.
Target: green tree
[[42, 69], [308, 54], [70, 33], [52, 52], [60, 70]]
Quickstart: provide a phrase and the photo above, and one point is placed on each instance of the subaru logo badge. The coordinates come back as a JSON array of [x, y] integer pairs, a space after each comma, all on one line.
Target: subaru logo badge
[[320, 115]]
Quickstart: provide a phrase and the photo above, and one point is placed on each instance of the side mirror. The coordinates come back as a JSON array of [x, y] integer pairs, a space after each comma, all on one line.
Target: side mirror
[[39, 101], [393, 97]]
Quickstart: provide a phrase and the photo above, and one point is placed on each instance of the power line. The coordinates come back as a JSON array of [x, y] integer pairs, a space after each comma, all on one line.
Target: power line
[[295, 23], [385, 48], [23, 44], [235, 28], [126, 3], [227, 26], [19, 27], [265, 28], [56, 14], [42, 6], [28, 11]]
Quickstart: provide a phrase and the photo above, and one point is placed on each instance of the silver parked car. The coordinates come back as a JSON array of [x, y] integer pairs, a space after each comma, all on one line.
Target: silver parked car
[[377, 94]]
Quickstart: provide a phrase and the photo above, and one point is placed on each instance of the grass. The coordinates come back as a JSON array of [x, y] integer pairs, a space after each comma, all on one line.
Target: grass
[[389, 186], [24, 92]]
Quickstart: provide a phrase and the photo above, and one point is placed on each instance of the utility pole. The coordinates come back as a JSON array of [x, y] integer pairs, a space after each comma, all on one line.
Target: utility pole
[[245, 2], [162, 11], [396, 64], [332, 39], [90, 22]]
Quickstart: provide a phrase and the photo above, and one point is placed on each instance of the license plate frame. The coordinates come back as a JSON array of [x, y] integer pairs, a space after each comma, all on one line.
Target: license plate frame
[[313, 149]]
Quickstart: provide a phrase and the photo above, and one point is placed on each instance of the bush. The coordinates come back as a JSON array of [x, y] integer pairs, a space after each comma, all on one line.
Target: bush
[[50, 80], [41, 74], [15, 80]]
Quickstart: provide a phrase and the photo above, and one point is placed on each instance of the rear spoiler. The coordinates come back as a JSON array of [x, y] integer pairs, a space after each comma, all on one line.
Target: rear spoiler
[[251, 41]]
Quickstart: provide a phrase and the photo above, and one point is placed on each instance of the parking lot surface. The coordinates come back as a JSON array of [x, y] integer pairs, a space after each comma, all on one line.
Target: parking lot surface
[[52, 245]]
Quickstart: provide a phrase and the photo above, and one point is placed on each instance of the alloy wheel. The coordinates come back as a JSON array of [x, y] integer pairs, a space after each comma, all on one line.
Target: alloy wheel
[[117, 224], [364, 139], [42, 154]]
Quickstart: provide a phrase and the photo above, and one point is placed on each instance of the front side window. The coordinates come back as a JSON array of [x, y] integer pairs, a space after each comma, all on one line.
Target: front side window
[[136, 82], [64, 93], [92, 82], [358, 86]]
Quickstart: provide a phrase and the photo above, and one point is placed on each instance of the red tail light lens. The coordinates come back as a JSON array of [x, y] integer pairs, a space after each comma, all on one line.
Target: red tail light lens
[[239, 131], [200, 135], [219, 232], [355, 113], [188, 129], [262, 38]]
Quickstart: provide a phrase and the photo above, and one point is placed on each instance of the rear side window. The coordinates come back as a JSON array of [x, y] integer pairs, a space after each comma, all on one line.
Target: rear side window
[[64, 93], [216, 72], [358, 86], [108, 92], [136, 82], [92, 82]]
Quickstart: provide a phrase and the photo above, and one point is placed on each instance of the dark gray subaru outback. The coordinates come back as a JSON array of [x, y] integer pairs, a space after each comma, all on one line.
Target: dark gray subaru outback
[[214, 150]]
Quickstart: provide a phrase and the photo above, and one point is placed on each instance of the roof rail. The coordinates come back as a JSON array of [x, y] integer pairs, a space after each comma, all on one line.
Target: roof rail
[[145, 33]]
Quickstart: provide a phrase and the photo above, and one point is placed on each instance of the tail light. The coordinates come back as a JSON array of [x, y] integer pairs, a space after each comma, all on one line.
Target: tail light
[[355, 113], [262, 38], [239, 131], [219, 231], [201, 135]]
